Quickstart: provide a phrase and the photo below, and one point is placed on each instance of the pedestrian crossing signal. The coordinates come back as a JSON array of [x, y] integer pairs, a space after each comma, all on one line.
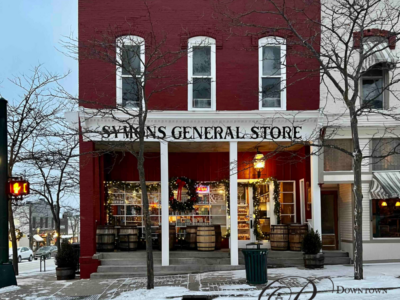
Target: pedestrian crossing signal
[[19, 187]]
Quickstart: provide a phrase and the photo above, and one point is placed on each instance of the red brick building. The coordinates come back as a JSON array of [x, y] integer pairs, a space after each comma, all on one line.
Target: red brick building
[[229, 96]]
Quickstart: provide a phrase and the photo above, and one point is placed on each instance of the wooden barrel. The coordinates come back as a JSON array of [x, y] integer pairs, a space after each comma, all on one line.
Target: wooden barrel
[[128, 238], [191, 236], [105, 238], [279, 237], [218, 237], [205, 238], [172, 237], [296, 235]]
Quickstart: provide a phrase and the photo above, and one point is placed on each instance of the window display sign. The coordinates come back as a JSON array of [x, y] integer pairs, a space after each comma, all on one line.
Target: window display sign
[[203, 189]]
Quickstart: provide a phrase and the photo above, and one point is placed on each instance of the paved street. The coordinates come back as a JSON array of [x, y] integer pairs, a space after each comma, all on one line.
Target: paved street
[[27, 267], [381, 282]]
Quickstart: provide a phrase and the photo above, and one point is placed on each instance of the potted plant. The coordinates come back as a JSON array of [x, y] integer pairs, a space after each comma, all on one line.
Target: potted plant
[[66, 262], [312, 245]]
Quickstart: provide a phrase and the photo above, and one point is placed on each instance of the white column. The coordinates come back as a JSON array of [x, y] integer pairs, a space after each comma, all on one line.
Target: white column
[[315, 192], [164, 204], [233, 186], [271, 205]]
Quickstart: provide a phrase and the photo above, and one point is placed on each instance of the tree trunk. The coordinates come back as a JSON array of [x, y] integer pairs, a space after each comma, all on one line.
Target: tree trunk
[[358, 198], [147, 223], [58, 241], [13, 237]]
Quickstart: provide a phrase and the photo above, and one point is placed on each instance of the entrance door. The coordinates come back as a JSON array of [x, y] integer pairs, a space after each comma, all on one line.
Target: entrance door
[[329, 217], [245, 216]]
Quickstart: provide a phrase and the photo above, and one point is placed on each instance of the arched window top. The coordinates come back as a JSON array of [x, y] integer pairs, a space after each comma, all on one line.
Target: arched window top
[[271, 40], [201, 41], [130, 40]]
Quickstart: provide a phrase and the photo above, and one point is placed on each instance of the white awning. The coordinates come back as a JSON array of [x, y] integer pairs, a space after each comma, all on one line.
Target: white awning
[[385, 185], [38, 238], [381, 53]]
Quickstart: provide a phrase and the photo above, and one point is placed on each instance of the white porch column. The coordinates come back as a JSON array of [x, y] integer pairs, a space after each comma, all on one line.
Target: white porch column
[[315, 193], [164, 204], [233, 186]]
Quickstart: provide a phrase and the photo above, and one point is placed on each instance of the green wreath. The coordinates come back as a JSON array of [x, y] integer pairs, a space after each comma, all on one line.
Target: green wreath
[[179, 182]]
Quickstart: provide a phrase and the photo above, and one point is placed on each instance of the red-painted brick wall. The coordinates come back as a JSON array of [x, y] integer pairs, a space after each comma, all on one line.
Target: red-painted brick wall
[[237, 55]]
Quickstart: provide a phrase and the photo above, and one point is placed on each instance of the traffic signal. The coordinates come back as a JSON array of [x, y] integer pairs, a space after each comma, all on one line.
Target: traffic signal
[[19, 187]]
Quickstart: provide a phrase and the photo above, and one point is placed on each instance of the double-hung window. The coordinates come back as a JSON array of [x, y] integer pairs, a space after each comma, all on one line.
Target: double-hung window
[[130, 70], [201, 73], [373, 83], [272, 73]]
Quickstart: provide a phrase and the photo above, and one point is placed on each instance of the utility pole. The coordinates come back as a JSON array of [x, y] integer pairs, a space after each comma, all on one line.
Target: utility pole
[[30, 226], [7, 275]]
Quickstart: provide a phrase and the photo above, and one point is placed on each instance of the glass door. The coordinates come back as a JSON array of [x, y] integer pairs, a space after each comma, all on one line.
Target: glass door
[[245, 213], [263, 212]]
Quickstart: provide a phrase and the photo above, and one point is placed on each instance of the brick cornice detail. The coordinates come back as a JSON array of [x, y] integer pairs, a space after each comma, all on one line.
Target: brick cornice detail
[[374, 32]]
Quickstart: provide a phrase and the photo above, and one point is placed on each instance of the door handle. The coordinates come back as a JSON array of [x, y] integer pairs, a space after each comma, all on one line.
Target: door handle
[[251, 224]]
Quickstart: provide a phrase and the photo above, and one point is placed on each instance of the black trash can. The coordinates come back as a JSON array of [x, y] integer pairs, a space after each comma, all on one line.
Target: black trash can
[[256, 265]]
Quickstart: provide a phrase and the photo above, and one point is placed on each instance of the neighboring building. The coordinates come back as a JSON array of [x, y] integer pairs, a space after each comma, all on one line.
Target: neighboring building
[[211, 128], [380, 177]]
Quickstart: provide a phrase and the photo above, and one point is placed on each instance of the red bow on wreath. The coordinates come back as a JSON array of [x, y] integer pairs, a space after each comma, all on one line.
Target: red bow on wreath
[[180, 184]]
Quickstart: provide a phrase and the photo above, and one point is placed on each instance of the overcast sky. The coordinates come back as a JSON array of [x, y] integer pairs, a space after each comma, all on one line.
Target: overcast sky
[[30, 33]]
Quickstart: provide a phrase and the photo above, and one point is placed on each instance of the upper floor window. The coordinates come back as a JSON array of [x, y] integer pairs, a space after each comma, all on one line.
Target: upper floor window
[[384, 154], [373, 88], [201, 73], [336, 160], [130, 70], [272, 73]]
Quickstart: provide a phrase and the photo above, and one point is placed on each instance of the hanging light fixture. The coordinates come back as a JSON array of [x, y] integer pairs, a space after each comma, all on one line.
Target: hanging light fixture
[[259, 163], [384, 203], [397, 203]]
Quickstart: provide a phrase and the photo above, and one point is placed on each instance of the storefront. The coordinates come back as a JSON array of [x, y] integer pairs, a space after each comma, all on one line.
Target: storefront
[[229, 191]]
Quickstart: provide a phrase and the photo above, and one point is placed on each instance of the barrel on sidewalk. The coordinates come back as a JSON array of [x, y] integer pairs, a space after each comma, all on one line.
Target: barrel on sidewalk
[[256, 265]]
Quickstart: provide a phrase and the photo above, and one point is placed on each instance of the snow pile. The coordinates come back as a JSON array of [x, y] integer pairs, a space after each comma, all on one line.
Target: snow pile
[[11, 288]]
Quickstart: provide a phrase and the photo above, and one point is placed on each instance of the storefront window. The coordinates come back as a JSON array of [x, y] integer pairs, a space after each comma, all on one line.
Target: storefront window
[[385, 147], [336, 160], [386, 218]]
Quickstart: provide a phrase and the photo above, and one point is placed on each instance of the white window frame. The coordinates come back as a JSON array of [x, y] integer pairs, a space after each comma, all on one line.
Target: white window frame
[[385, 94], [128, 40], [201, 41], [272, 41]]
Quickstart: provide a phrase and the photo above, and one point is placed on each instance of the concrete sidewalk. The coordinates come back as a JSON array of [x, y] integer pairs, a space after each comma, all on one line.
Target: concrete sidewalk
[[218, 285]]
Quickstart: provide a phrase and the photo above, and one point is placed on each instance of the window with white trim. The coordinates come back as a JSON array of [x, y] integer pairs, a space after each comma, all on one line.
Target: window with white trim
[[201, 73], [272, 73], [373, 88], [130, 69]]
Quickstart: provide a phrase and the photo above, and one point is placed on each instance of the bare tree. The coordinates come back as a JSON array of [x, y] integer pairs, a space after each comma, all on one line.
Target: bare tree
[[27, 118], [344, 38], [54, 170], [73, 216]]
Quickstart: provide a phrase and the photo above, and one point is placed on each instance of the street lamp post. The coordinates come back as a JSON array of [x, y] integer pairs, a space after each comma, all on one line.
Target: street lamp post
[[7, 275]]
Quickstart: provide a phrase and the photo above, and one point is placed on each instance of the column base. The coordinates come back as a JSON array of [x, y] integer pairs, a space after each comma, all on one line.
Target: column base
[[88, 265]]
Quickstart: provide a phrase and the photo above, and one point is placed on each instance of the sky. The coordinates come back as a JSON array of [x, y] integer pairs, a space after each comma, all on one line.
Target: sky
[[30, 34]]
